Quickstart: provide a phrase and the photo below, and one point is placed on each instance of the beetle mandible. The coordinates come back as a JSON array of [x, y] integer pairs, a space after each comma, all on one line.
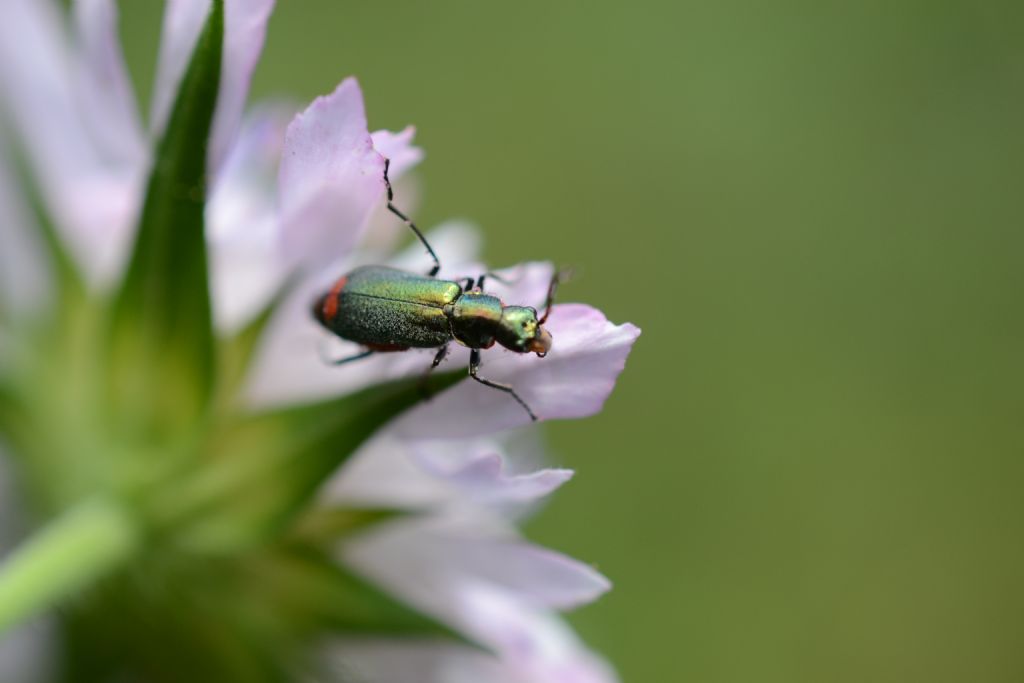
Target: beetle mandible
[[386, 310]]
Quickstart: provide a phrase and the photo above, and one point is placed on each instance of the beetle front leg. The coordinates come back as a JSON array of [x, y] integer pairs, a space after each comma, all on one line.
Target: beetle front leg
[[558, 278], [474, 367]]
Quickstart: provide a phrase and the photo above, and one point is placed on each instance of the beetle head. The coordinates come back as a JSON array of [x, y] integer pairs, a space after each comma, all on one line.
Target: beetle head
[[519, 330]]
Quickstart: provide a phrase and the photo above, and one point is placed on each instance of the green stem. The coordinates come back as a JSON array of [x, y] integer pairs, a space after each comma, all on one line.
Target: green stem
[[72, 552]]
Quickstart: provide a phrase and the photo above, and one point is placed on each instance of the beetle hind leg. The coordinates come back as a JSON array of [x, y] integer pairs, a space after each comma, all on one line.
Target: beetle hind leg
[[425, 378], [346, 359], [474, 368], [438, 357]]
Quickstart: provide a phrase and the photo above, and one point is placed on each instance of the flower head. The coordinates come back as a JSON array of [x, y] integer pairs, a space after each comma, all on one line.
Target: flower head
[[231, 507]]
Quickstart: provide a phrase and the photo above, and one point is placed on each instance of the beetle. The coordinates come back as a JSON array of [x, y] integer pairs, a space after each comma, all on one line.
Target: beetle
[[389, 310]]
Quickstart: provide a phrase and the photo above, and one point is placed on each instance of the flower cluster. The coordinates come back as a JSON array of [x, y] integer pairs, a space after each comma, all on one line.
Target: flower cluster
[[200, 496]]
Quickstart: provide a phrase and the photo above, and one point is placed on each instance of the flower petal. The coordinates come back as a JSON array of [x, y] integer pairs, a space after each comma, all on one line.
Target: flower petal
[[103, 87], [398, 148], [466, 474], [26, 653], [331, 178], [573, 381], [245, 25], [241, 218], [183, 21], [497, 592], [524, 285], [534, 644], [36, 79], [91, 192], [531, 646], [24, 270], [382, 474], [429, 561], [479, 470], [245, 28]]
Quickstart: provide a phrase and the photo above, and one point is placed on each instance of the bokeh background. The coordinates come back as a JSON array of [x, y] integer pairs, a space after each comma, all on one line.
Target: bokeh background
[[812, 469]]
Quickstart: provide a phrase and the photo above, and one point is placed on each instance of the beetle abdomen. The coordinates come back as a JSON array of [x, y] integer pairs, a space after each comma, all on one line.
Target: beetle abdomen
[[378, 306], [372, 321]]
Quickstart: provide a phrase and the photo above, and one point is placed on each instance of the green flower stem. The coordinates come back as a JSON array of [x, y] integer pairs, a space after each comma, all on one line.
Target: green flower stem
[[77, 548]]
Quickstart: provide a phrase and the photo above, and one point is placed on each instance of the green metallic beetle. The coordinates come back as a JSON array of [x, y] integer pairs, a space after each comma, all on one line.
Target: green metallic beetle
[[386, 310]]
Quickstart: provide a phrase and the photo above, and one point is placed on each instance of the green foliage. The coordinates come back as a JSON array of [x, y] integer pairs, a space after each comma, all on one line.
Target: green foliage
[[92, 538], [161, 347], [66, 274], [181, 537], [311, 585], [249, 616], [260, 472]]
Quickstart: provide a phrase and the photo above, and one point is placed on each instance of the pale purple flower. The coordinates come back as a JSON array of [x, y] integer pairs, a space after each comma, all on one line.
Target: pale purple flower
[[292, 198]]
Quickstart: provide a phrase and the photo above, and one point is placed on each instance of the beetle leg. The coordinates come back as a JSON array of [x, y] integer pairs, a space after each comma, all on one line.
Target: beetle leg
[[474, 367], [405, 219], [346, 359], [556, 279], [469, 283], [495, 276], [438, 357], [441, 353]]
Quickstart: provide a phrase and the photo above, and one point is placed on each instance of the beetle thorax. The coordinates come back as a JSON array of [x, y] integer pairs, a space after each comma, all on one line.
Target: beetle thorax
[[474, 318]]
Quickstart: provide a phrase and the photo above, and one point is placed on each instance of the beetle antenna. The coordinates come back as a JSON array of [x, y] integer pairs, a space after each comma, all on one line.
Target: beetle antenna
[[556, 279], [405, 219]]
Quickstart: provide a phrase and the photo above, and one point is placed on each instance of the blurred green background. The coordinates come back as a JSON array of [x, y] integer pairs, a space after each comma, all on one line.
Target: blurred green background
[[812, 467]]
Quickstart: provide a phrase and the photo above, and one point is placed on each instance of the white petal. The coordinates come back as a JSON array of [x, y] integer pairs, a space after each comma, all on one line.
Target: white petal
[[331, 178], [454, 475], [35, 74], [100, 213], [244, 33], [384, 229], [398, 149], [402, 661], [26, 653], [483, 470], [534, 645], [183, 21], [103, 87], [523, 285], [457, 243], [384, 474], [246, 269], [92, 193], [429, 561], [24, 271], [573, 381], [495, 592]]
